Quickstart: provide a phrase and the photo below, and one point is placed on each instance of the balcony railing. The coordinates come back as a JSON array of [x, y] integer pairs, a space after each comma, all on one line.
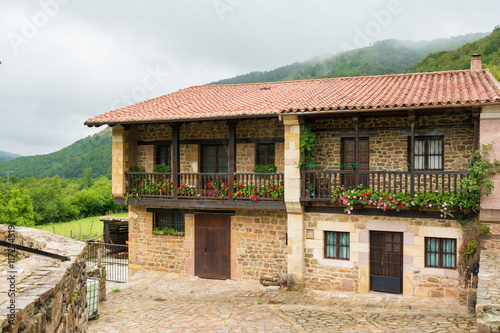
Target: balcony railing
[[318, 185], [205, 186]]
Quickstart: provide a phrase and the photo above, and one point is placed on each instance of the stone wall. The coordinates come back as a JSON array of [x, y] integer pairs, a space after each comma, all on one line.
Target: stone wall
[[190, 153], [50, 295], [353, 274], [388, 149], [488, 293], [258, 244], [159, 252]]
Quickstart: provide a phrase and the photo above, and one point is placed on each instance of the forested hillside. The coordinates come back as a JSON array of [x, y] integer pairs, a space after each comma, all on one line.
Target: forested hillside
[[384, 57], [4, 156], [488, 48], [93, 151]]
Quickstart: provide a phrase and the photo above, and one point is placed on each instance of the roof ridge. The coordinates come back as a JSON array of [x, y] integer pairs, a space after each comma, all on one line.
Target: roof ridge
[[493, 80], [328, 78]]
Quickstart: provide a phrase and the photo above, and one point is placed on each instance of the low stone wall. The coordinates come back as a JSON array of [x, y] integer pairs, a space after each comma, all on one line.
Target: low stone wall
[[50, 295]]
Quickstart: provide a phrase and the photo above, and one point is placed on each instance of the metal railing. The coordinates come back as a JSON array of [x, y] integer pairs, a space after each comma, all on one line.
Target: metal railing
[[113, 256], [320, 184]]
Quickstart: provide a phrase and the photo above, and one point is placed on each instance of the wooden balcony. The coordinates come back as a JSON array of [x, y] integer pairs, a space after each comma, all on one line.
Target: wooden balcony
[[212, 190], [318, 185]]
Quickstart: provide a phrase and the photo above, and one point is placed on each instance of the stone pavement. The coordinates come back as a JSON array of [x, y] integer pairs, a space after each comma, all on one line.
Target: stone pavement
[[173, 303]]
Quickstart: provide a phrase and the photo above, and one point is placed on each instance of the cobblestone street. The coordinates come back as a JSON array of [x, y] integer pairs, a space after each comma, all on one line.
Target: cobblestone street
[[187, 304]]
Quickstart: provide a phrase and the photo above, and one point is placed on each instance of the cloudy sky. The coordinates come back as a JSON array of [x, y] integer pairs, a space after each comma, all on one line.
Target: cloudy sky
[[64, 61]]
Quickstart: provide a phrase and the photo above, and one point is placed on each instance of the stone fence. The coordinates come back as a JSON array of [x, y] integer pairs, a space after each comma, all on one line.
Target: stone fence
[[49, 295]]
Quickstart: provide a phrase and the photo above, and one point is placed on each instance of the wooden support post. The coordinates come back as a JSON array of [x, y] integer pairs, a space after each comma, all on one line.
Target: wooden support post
[[175, 158], [412, 118], [475, 118], [231, 154], [355, 120]]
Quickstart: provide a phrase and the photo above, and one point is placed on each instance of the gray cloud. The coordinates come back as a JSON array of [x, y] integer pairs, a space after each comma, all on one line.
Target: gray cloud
[[85, 57]]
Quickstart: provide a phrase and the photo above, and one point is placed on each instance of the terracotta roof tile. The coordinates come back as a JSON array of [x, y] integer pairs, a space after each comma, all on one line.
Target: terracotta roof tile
[[383, 92]]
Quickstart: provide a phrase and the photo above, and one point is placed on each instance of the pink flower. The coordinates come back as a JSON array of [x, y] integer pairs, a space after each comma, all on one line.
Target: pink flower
[[430, 205]]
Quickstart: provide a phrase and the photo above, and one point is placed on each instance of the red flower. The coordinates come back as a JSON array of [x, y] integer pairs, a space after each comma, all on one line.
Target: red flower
[[157, 179], [402, 205], [271, 187], [141, 186], [182, 184], [265, 191], [208, 183], [171, 183], [209, 186], [161, 187], [407, 199], [230, 193], [241, 186], [231, 180], [225, 186], [276, 189], [239, 193]]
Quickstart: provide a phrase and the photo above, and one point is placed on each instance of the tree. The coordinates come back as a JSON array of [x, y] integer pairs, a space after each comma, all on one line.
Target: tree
[[87, 176], [16, 207]]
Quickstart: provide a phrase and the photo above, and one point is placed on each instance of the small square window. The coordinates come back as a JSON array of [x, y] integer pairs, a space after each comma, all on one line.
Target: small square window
[[440, 253], [170, 220], [337, 245]]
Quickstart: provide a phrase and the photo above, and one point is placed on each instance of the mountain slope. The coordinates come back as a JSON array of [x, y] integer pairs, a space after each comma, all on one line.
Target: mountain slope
[[384, 57], [93, 151], [5, 156], [488, 47]]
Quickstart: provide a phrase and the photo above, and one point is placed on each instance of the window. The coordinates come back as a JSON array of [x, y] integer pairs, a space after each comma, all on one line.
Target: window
[[163, 155], [214, 159], [265, 153], [337, 245], [171, 220], [440, 252], [429, 153]]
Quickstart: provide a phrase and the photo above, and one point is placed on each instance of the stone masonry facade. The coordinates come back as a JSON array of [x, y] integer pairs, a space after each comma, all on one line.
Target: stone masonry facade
[[190, 153], [389, 148], [353, 274], [258, 244], [269, 242]]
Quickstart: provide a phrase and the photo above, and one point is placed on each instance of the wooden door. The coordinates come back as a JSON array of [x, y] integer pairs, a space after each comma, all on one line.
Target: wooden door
[[386, 261], [349, 158], [212, 248]]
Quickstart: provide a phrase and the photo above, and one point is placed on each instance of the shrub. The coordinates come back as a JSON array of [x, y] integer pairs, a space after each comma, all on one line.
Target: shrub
[[136, 169], [265, 168], [162, 168]]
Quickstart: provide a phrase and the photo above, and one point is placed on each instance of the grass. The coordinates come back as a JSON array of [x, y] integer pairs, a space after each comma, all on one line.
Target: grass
[[65, 228]]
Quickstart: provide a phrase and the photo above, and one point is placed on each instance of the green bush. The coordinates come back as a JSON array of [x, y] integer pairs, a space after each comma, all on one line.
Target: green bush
[[162, 168], [265, 168], [136, 169]]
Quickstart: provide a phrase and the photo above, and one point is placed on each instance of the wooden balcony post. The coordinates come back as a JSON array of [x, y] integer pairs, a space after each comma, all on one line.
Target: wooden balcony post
[[355, 120], [175, 158], [411, 117], [475, 118], [231, 154]]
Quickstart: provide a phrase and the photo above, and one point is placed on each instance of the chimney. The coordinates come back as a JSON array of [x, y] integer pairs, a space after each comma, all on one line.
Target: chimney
[[475, 63]]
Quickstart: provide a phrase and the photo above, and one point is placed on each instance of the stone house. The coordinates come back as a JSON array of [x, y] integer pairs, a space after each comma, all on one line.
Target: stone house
[[406, 133]]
